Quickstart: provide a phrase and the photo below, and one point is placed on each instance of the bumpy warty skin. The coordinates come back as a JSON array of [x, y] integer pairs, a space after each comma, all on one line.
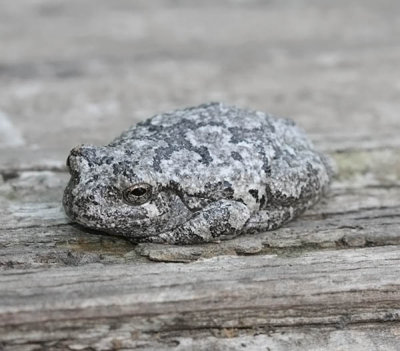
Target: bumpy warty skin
[[214, 171]]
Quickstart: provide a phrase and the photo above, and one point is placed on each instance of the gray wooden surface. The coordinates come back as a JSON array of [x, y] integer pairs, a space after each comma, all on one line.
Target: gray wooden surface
[[76, 72]]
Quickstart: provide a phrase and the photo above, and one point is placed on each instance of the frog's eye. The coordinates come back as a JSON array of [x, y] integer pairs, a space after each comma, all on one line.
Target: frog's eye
[[137, 194]]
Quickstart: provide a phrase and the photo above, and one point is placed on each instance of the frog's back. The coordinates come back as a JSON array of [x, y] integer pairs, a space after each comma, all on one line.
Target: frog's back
[[247, 155]]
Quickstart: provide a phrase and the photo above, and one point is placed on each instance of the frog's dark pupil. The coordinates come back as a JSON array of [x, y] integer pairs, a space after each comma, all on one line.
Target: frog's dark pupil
[[138, 191]]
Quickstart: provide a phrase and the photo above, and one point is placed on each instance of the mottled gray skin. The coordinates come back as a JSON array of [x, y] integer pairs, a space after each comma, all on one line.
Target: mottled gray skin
[[216, 171]]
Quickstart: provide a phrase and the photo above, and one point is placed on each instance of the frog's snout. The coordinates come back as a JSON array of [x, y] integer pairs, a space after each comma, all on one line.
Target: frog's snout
[[87, 152]]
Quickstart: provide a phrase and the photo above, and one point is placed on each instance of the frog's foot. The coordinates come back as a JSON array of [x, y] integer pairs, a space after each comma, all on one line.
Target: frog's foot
[[222, 219]]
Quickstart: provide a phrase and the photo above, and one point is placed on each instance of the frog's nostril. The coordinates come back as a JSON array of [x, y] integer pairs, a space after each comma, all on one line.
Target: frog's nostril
[[86, 152], [77, 150]]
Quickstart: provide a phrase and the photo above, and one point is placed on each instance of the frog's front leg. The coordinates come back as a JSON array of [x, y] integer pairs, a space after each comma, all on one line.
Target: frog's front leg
[[220, 220]]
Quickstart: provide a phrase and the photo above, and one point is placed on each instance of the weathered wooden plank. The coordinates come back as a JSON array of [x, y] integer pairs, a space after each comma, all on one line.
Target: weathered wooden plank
[[361, 210], [338, 288]]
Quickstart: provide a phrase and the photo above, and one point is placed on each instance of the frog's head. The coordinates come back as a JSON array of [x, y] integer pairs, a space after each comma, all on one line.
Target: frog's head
[[112, 191]]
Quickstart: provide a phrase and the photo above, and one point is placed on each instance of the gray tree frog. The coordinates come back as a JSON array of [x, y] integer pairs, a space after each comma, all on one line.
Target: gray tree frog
[[195, 175]]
